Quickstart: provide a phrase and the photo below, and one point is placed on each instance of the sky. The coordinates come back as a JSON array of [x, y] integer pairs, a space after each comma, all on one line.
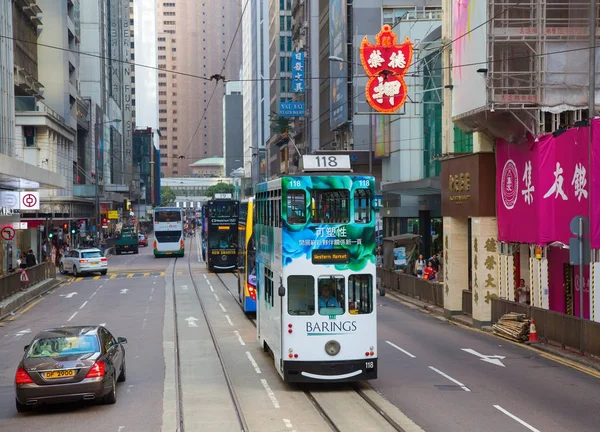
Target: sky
[[146, 79]]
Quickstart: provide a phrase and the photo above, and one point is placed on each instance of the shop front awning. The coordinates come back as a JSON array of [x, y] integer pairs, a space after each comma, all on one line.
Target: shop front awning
[[426, 186], [16, 174]]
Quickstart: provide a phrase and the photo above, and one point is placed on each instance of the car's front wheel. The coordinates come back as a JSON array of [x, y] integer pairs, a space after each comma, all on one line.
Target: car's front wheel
[[22, 407], [61, 268], [75, 272], [111, 397]]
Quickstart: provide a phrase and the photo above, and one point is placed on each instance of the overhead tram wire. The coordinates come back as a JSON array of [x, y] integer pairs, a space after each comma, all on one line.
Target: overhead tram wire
[[218, 77]]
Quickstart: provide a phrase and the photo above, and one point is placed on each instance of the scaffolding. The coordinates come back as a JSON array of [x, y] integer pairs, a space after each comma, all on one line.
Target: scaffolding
[[538, 54]]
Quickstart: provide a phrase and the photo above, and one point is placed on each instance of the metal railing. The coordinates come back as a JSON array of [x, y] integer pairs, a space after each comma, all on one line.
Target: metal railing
[[467, 302], [555, 327], [430, 292], [11, 284]]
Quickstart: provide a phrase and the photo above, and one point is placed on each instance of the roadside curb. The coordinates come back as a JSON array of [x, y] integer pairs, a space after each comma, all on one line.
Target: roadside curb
[[575, 358], [23, 298]]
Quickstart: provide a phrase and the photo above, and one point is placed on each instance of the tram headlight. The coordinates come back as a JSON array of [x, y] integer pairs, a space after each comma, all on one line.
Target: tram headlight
[[332, 348]]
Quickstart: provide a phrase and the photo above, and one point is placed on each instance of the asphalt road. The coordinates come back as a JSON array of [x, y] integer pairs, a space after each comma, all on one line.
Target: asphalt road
[[440, 386], [131, 307]]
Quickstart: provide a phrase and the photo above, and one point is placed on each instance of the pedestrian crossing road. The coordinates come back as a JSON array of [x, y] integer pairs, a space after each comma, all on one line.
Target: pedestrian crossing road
[[120, 275]]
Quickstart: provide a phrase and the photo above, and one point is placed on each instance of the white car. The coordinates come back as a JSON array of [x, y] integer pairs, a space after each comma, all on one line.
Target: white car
[[80, 261]]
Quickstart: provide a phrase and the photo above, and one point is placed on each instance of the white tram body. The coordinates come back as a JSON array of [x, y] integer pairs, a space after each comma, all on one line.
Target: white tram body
[[316, 307]]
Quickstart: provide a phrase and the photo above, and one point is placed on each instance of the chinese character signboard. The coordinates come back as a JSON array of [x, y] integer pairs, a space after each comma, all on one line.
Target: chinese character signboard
[[386, 63], [291, 109], [338, 69], [541, 186], [298, 72]]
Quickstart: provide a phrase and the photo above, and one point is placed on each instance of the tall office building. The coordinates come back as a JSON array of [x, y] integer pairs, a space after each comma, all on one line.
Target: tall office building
[[194, 37], [255, 84]]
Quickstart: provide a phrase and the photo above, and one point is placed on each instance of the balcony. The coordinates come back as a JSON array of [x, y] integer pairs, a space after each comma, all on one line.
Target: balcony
[[29, 103]]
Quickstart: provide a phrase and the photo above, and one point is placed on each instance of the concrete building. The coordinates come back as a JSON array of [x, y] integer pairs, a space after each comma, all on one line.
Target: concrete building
[[233, 127], [194, 38], [255, 90], [208, 167], [192, 192], [147, 171]]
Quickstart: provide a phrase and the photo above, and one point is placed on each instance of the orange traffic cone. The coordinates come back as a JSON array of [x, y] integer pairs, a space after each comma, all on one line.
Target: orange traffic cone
[[533, 337]]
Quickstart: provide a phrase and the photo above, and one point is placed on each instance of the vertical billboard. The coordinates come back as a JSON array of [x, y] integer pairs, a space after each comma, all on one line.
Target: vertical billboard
[[338, 69], [469, 53], [298, 72], [126, 107], [381, 135]]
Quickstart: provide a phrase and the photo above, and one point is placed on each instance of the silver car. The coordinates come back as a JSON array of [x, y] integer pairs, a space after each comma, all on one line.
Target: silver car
[[81, 261], [68, 364]]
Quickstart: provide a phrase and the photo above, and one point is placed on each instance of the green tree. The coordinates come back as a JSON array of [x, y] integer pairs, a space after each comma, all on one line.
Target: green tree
[[220, 188], [167, 196]]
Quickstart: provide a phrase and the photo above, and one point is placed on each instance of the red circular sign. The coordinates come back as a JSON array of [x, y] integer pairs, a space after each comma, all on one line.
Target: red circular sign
[[29, 200], [7, 233]]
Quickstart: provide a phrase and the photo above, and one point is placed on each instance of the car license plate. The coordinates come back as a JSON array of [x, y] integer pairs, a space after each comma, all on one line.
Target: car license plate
[[169, 253], [126, 247], [95, 262], [60, 374]]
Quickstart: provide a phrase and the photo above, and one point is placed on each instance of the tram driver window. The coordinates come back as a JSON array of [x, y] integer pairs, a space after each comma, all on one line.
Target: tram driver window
[[331, 295], [360, 294], [296, 206], [330, 206], [220, 240], [301, 295], [362, 206]]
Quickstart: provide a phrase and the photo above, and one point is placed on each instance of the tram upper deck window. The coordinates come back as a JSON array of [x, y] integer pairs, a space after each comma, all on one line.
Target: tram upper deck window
[[296, 206], [330, 206], [223, 209], [301, 295], [362, 206], [360, 294], [331, 299]]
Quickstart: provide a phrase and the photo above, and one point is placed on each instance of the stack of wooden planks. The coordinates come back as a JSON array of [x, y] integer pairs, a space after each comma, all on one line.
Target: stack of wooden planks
[[513, 326]]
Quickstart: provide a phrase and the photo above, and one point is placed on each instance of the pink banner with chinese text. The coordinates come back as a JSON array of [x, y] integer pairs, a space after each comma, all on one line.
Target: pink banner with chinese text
[[541, 186], [595, 198]]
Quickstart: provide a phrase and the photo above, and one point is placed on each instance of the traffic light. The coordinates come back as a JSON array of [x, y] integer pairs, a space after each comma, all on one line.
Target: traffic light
[[104, 222], [65, 227], [73, 226], [50, 235]]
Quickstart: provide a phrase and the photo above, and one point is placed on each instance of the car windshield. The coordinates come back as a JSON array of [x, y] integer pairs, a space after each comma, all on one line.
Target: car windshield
[[93, 254], [63, 346], [141, 237]]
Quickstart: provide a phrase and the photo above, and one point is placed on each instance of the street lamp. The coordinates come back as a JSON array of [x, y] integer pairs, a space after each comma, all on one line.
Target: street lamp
[[97, 192]]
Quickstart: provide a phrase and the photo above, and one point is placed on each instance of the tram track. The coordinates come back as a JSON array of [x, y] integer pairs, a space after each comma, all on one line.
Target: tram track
[[310, 396], [230, 387]]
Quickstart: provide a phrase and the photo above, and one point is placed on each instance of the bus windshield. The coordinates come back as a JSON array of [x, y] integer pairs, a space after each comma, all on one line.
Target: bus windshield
[[167, 216]]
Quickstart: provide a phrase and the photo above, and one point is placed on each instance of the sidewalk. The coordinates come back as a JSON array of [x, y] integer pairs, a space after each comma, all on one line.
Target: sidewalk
[[466, 321]]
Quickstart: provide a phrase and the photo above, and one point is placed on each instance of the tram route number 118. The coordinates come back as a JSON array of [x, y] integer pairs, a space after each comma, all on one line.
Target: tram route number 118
[[369, 365], [326, 162]]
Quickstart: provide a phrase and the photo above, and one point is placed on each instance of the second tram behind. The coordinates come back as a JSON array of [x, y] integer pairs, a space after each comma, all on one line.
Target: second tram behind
[[247, 257], [315, 239], [220, 234]]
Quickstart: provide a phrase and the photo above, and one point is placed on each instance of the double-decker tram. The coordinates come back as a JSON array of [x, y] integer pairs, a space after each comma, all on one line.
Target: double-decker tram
[[220, 233], [168, 232], [316, 307], [247, 257]]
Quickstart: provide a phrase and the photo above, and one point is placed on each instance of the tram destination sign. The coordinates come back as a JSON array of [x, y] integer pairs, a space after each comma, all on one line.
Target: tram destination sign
[[331, 256], [326, 163]]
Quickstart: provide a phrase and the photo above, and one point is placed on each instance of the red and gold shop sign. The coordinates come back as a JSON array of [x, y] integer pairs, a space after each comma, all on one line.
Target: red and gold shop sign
[[386, 63]]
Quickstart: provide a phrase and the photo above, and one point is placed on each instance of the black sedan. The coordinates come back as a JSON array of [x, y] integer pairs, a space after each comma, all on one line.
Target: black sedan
[[68, 364]]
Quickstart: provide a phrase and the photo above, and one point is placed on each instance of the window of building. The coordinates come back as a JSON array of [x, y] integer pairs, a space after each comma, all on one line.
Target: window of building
[[162, 119], [330, 206], [393, 15], [174, 138], [301, 295], [174, 103], [296, 206], [164, 164], [174, 58], [162, 66], [174, 120], [360, 294], [174, 129], [362, 205], [164, 155], [331, 295], [282, 23], [162, 84], [163, 128], [173, 50], [162, 48], [169, 4], [175, 172], [289, 43], [162, 102], [169, 22], [170, 31], [289, 22], [174, 164], [282, 43], [162, 111], [164, 146], [162, 57], [162, 75], [169, 13], [174, 146], [162, 39]]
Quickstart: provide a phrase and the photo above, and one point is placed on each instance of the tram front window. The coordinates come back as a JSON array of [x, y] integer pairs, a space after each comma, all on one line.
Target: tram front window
[[360, 294], [331, 295], [220, 240], [301, 295]]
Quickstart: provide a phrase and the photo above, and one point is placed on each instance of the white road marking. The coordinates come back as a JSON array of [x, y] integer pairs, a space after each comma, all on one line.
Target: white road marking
[[464, 387], [253, 362], [400, 349], [493, 359], [204, 276], [68, 295], [229, 320], [124, 291], [22, 332], [184, 287], [237, 334], [150, 299], [288, 424], [192, 321], [121, 428], [211, 288], [93, 294], [144, 323], [270, 393], [83, 305], [152, 290], [222, 307], [216, 296], [515, 418], [72, 316]]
